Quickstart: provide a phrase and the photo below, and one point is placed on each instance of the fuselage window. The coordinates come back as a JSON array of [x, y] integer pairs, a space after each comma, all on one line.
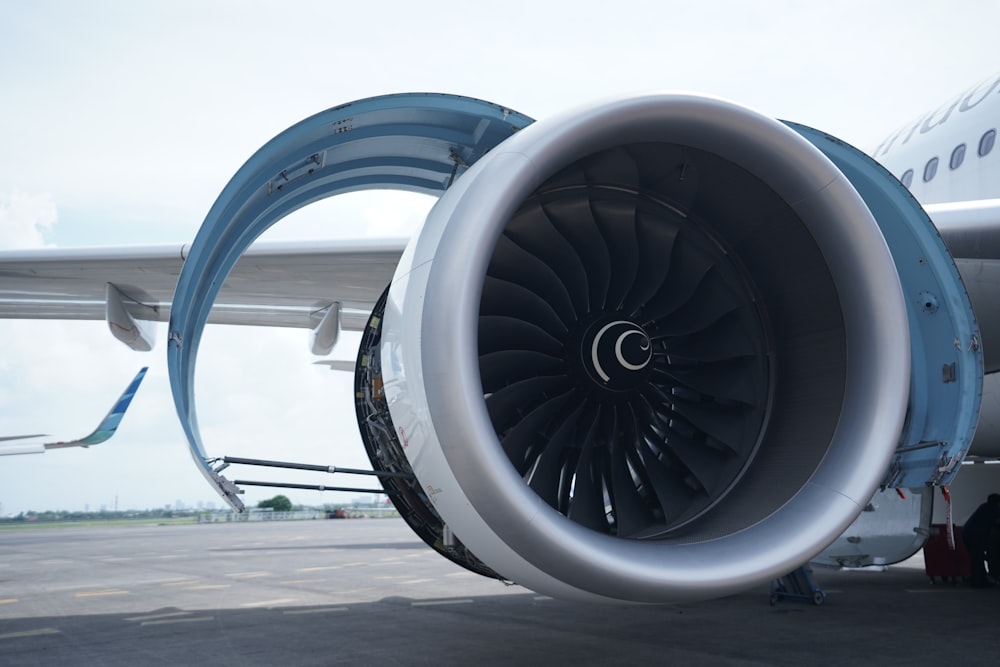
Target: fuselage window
[[907, 178], [930, 169], [986, 143], [957, 157]]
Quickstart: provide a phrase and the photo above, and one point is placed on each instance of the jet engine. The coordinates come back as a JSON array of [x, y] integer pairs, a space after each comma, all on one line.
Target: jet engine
[[656, 349]]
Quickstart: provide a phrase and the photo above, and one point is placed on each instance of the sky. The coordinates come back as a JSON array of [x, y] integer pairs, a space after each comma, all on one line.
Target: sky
[[120, 122]]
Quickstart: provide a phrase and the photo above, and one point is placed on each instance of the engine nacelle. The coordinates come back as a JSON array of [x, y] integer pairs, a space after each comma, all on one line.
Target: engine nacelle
[[654, 350], [658, 349]]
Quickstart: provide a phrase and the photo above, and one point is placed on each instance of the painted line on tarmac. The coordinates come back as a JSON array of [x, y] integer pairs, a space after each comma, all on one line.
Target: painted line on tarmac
[[155, 617], [171, 621], [416, 581], [8, 600], [97, 594], [247, 575], [321, 610], [302, 581], [268, 603], [206, 587], [941, 589], [182, 582], [318, 568], [437, 603], [169, 581], [41, 632]]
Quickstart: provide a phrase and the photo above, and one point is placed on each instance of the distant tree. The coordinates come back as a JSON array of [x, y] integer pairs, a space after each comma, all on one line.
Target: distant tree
[[279, 504]]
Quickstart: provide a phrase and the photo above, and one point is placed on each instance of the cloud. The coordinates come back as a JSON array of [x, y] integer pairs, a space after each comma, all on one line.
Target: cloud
[[26, 221]]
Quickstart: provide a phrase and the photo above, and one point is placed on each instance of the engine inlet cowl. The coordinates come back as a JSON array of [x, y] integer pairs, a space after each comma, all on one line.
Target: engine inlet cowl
[[619, 351]]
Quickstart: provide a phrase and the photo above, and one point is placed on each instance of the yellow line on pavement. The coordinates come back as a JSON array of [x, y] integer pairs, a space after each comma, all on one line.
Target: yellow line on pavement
[[31, 633], [94, 594], [321, 610], [170, 621]]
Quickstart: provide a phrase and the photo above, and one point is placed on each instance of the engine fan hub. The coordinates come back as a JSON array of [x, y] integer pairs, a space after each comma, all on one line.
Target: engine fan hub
[[615, 353]]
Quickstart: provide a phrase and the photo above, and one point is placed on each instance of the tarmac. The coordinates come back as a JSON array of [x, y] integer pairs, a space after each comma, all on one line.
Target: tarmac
[[368, 592]]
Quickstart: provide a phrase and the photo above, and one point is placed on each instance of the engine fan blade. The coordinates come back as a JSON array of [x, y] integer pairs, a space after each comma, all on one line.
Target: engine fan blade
[[502, 332], [507, 299], [616, 220], [533, 230], [656, 243], [499, 369], [573, 217], [631, 510], [514, 264]]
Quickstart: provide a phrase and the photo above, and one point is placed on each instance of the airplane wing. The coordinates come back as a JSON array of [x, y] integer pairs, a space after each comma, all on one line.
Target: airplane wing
[[285, 284], [103, 432]]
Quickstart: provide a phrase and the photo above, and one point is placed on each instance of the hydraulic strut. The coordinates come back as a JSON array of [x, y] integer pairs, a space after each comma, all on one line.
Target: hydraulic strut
[[227, 460]]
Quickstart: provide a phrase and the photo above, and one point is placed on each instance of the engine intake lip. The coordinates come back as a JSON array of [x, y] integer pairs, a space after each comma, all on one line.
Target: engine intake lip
[[474, 213]]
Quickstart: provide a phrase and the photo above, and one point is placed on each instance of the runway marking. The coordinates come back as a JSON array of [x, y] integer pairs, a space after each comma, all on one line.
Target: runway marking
[[207, 587], [436, 603], [302, 581], [248, 575], [54, 561], [181, 582], [416, 581], [154, 617], [418, 555], [268, 603], [356, 563], [462, 574], [169, 581], [941, 589], [318, 568], [7, 600], [542, 598], [322, 610], [96, 594], [169, 621], [73, 587], [41, 632], [391, 576], [390, 559]]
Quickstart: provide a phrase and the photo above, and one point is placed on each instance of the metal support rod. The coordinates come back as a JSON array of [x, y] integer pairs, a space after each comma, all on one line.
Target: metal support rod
[[310, 466], [920, 445], [308, 487]]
